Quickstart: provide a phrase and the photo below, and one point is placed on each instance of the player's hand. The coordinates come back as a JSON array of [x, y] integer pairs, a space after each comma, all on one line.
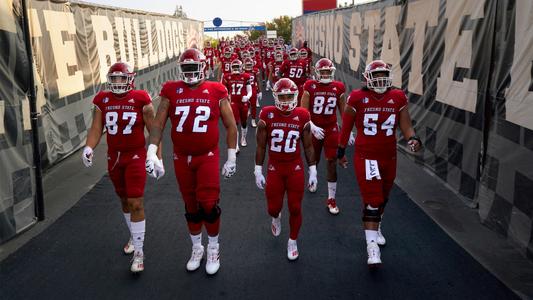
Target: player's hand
[[415, 144], [87, 156], [343, 162], [317, 132], [351, 141], [159, 169], [259, 96], [245, 98], [230, 167], [313, 181], [152, 161], [259, 178], [268, 86]]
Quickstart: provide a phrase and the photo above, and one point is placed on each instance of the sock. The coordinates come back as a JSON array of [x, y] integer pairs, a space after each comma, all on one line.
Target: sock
[[244, 131], [127, 217], [213, 240], [332, 189], [196, 239], [137, 233], [371, 236]]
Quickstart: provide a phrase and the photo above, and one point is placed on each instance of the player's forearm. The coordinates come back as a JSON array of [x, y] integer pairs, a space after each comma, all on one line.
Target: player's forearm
[[155, 134], [260, 155], [93, 137], [231, 136], [310, 155], [347, 125]]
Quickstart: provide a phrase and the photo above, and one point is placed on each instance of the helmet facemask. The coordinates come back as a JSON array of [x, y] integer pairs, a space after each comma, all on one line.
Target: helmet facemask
[[378, 81], [191, 72], [120, 83], [325, 75], [286, 100]]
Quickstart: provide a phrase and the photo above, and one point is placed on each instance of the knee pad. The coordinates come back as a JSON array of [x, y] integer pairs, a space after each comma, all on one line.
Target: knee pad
[[371, 214], [194, 217], [213, 215]]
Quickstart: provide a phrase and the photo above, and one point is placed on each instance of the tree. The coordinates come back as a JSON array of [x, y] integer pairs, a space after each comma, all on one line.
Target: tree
[[282, 25]]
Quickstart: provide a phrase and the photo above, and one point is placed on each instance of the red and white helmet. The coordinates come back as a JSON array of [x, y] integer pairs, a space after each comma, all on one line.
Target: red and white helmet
[[120, 78], [227, 52], [245, 54], [378, 84], [293, 54], [191, 65], [325, 70], [285, 86], [303, 53], [278, 56], [236, 66], [248, 64]]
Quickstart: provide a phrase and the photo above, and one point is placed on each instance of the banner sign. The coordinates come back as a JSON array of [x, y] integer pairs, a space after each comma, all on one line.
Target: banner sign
[[466, 68]]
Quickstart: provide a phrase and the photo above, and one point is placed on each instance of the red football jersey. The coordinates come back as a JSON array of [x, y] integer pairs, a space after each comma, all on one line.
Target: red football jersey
[[376, 120], [276, 65], [236, 85], [209, 52], [254, 73], [284, 132], [123, 118], [194, 115], [226, 63], [295, 70], [323, 101]]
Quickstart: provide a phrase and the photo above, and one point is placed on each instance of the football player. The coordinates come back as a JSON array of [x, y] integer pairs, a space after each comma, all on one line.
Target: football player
[[296, 70], [239, 87], [376, 110], [274, 69], [209, 53], [280, 129], [322, 98], [124, 112], [256, 88], [194, 107], [225, 62]]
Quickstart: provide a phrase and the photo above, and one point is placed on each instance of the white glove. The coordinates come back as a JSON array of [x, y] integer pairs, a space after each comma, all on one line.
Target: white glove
[[245, 99], [230, 167], [153, 165], [259, 178], [351, 141], [268, 86], [317, 132], [87, 156], [259, 96], [313, 181]]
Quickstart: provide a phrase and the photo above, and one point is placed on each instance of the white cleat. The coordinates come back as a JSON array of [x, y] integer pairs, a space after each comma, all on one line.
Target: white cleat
[[292, 250], [332, 206], [276, 225], [243, 141], [237, 150], [128, 248], [312, 189], [137, 265], [196, 257], [381, 239], [213, 259], [374, 255], [254, 124]]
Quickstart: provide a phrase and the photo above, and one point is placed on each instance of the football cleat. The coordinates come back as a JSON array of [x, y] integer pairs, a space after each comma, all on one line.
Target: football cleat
[[128, 248], [243, 141], [254, 124], [292, 250], [213, 259], [374, 255], [312, 188], [196, 257], [138, 263], [276, 225], [332, 206], [381, 239]]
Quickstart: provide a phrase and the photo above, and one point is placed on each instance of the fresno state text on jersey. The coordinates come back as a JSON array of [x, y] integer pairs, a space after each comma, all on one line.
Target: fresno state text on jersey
[[284, 132], [323, 101], [123, 118], [376, 120], [194, 115]]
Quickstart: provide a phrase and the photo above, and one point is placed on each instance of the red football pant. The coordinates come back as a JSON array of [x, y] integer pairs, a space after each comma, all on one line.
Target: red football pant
[[127, 172], [286, 177], [329, 143], [199, 184], [240, 111], [253, 103], [375, 191]]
